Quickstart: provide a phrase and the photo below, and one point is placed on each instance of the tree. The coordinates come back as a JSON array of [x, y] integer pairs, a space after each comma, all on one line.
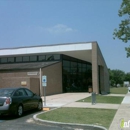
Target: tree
[[116, 76], [127, 77], [123, 33]]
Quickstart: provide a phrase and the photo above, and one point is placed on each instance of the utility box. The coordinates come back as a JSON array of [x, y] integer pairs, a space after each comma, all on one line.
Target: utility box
[[93, 98]]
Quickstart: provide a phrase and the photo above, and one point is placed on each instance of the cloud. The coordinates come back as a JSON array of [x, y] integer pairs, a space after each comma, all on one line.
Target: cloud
[[59, 28]]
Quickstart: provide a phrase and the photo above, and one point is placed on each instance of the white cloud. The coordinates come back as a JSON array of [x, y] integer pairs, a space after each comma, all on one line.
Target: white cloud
[[60, 28]]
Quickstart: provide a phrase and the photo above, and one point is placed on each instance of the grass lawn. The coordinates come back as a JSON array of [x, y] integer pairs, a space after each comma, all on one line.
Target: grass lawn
[[120, 90], [101, 117], [104, 99]]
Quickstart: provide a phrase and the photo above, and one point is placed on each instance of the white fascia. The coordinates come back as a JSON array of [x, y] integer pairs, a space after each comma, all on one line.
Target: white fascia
[[46, 49]]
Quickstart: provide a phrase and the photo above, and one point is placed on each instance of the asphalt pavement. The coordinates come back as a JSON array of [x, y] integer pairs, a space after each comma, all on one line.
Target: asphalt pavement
[[25, 122]]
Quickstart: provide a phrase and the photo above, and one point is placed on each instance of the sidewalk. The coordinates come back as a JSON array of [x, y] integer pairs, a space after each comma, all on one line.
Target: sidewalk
[[89, 105], [69, 100], [123, 112], [63, 99]]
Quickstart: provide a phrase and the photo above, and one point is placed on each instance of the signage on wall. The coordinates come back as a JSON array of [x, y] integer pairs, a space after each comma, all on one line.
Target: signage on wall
[[44, 80], [23, 83], [32, 73]]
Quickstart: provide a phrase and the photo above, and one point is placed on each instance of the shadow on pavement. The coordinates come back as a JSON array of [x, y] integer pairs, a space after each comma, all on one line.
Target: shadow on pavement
[[12, 117]]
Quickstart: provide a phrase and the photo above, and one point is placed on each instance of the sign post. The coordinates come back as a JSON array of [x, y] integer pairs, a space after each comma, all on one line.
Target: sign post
[[44, 84]]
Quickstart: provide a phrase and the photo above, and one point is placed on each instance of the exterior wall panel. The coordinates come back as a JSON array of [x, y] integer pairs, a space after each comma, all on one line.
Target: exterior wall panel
[[54, 78], [14, 79]]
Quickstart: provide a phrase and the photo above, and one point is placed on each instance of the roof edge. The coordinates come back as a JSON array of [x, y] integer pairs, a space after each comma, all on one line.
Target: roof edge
[[48, 45]]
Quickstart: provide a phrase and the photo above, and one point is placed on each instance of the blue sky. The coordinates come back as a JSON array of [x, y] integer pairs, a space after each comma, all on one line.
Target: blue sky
[[39, 22]]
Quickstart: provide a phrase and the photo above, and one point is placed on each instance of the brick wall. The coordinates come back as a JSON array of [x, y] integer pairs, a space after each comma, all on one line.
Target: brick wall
[[14, 78], [54, 78]]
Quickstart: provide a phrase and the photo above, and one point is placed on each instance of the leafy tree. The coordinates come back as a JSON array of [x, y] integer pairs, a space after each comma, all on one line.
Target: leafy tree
[[116, 76], [127, 77], [123, 33]]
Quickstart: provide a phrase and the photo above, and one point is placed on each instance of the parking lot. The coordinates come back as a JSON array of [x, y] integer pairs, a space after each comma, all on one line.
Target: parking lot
[[25, 122]]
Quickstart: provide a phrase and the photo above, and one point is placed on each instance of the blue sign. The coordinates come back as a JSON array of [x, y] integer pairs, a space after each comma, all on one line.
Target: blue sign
[[44, 80]]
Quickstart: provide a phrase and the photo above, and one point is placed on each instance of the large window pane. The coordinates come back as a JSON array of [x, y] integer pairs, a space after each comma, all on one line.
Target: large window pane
[[66, 70], [84, 69], [73, 64], [33, 58], [84, 65], [19, 59], [79, 65], [4, 60], [78, 75], [49, 57], [25, 58], [56, 57], [11, 59], [66, 63], [41, 58]]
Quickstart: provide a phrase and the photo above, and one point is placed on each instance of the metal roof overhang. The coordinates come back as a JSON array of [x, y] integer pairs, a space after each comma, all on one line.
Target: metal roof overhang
[[81, 51], [26, 66]]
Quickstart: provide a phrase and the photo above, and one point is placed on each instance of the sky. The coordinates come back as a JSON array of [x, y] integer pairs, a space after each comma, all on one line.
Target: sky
[[42, 22]]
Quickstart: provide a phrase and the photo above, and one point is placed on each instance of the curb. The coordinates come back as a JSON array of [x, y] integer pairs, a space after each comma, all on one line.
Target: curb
[[67, 125]]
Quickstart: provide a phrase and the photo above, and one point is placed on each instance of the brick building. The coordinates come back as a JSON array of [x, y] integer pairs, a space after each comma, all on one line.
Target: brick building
[[71, 67]]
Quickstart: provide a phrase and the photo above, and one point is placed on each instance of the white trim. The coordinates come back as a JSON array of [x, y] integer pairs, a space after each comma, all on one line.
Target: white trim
[[46, 49]]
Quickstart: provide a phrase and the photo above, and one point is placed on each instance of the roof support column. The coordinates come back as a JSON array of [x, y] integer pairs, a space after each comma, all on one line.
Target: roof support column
[[95, 75], [40, 76]]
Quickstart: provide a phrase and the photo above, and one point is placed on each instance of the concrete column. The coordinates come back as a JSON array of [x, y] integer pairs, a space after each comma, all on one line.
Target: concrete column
[[40, 77], [102, 79], [95, 78]]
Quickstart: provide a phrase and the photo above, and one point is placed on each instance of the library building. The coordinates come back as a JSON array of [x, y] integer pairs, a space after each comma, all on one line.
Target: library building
[[61, 68]]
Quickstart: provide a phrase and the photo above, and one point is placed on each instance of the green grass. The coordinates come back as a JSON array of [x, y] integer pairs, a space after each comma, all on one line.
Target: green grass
[[120, 90], [101, 117], [104, 99]]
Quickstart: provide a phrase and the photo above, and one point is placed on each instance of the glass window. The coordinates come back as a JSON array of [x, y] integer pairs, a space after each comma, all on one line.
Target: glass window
[[84, 65], [11, 59], [73, 70], [49, 57], [20, 92], [29, 92], [56, 57], [84, 69], [80, 69], [4, 60], [66, 63], [89, 67], [33, 58], [66, 69], [5, 92], [79, 65], [25, 58], [41, 58], [19, 59], [73, 64], [65, 57]]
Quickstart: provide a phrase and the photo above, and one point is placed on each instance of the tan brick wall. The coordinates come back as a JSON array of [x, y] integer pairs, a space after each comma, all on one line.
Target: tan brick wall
[[98, 60], [102, 83], [35, 85], [54, 78], [14, 78], [95, 77]]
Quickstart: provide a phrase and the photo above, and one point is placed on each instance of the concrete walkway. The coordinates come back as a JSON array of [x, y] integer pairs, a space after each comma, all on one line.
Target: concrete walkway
[[89, 105], [69, 100], [59, 100], [123, 112]]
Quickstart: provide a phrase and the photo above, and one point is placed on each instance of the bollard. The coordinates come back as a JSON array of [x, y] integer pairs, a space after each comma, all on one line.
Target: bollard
[[93, 98]]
